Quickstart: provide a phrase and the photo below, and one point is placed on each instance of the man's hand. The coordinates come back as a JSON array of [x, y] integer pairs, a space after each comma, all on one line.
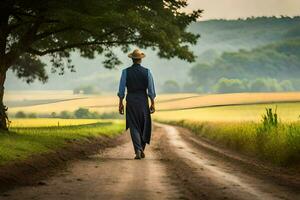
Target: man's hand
[[121, 108], [152, 108]]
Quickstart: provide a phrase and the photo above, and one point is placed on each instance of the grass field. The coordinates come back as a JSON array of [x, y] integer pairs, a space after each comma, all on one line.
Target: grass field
[[25, 140]]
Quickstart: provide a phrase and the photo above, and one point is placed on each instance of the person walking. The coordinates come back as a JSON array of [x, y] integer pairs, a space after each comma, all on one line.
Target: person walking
[[140, 85]]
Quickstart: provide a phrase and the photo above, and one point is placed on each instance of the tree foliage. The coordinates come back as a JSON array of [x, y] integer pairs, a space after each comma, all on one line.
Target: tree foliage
[[225, 85], [34, 28]]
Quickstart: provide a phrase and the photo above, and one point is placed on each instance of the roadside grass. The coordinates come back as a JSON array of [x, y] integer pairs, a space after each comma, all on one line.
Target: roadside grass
[[22, 142], [280, 145]]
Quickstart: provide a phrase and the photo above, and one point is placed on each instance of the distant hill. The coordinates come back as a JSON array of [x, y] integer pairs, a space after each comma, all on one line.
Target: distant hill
[[276, 62], [230, 35], [217, 36]]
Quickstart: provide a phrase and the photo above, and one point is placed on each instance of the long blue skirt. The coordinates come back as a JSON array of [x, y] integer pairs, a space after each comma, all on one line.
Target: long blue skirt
[[138, 114]]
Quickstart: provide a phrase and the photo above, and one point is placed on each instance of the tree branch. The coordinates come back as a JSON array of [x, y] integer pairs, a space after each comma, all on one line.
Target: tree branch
[[75, 45], [24, 43], [48, 33]]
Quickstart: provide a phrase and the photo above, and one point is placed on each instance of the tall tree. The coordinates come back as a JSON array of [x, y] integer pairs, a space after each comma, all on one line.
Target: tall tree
[[33, 28]]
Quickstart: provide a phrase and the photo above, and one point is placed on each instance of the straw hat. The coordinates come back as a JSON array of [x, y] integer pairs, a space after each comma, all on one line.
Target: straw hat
[[137, 54]]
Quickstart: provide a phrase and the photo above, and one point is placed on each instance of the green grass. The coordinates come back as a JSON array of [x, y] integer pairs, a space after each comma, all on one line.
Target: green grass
[[279, 145], [22, 142]]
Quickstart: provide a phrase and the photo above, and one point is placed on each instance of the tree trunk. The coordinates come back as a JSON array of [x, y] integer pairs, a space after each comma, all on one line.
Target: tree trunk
[[3, 116]]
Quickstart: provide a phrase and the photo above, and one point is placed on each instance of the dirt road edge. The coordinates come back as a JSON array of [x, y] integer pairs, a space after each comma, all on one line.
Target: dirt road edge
[[39, 167]]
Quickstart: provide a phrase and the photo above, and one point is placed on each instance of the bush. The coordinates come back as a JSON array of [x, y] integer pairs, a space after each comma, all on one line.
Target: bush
[[112, 115], [82, 113], [200, 89], [171, 86], [53, 115], [269, 125], [287, 85], [20, 114], [266, 85], [225, 85], [32, 115], [189, 87], [66, 115]]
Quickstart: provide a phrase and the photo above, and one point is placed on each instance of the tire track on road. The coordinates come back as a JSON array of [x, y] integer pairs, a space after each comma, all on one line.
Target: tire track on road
[[228, 183]]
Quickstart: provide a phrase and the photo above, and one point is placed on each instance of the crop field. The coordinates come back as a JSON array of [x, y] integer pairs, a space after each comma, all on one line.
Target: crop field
[[229, 99], [105, 103], [50, 122], [65, 101], [214, 107], [286, 111], [34, 136]]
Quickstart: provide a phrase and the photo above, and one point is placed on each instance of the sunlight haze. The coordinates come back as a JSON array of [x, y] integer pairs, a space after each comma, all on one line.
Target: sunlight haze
[[233, 9]]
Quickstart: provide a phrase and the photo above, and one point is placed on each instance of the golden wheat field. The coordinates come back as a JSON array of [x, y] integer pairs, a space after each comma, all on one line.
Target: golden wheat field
[[50, 122], [229, 99], [101, 104], [287, 112], [214, 107]]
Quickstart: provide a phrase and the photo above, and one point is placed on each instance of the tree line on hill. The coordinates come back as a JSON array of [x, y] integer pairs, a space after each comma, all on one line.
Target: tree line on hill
[[80, 113], [270, 68]]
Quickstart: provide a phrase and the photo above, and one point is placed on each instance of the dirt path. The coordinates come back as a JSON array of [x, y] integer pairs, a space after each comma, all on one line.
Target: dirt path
[[173, 169], [112, 174]]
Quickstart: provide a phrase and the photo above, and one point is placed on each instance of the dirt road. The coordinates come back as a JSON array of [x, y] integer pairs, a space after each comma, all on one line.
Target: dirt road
[[174, 168]]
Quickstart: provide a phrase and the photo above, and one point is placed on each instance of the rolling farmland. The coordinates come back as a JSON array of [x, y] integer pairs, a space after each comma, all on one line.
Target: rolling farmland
[[214, 107], [69, 102], [286, 112]]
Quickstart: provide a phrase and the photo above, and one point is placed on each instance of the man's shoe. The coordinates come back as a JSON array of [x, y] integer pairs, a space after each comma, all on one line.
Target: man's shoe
[[138, 155], [142, 155]]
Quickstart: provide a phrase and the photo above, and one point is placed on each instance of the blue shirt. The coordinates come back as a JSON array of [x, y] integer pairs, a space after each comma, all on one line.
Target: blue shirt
[[122, 85]]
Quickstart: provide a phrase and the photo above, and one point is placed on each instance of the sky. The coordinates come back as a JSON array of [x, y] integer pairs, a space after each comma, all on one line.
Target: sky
[[233, 9]]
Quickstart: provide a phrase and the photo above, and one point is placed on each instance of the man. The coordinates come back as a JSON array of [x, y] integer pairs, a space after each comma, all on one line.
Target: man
[[139, 83]]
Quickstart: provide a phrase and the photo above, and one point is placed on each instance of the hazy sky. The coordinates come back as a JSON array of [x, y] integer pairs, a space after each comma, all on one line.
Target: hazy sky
[[232, 9]]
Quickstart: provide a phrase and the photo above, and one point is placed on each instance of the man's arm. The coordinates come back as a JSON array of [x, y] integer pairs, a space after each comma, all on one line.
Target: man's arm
[[121, 106], [151, 91], [152, 106], [121, 93]]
